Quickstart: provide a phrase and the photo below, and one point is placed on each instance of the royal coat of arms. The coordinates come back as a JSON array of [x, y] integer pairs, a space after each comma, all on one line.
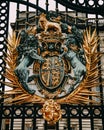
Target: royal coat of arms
[[52, 64]]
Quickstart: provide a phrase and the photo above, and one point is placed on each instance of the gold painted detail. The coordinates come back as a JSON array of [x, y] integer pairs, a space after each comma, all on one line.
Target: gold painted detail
[[51, 37], [51, 72], [87, 88], [16, 94], [46, 25], [79, 96], [51, 111]]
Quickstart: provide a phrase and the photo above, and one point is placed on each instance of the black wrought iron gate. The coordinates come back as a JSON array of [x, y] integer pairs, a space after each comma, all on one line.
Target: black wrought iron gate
[[28, 117]]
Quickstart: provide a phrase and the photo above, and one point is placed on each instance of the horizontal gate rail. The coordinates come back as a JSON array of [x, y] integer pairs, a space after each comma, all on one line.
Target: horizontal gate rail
[[73, 110]]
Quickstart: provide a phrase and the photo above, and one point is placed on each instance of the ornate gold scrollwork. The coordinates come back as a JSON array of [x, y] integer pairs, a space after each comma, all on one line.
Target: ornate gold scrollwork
[[51, 111]]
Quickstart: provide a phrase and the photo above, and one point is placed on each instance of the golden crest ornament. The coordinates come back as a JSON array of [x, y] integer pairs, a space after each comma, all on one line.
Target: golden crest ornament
[[52, 64]]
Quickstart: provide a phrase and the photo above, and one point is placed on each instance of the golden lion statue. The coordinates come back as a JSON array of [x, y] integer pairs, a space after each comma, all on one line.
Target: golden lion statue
[[45, 24]]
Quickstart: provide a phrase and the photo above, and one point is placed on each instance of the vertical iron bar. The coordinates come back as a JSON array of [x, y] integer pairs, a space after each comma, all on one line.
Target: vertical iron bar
[[68, 117], [7, 124], [17, 18], [57, 126], [76, 13], [80, 118], [34, 118], [23, 118], [27, 15], [102, 116], [45, 125], [12, 118], [57, 8], [86, 21], [47, 4], [91, 118], [86, 24], [66, 14], [37, 4]]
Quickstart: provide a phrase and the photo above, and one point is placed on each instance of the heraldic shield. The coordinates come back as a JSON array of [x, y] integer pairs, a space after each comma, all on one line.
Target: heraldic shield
[[52, 73], [54, 68], [52, 63]]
